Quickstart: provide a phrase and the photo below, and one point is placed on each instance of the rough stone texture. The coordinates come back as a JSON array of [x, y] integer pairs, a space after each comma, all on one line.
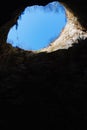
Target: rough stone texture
[[40, 89]]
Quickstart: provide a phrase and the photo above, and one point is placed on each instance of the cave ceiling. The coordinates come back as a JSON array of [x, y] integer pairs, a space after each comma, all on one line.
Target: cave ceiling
[[52, 85]]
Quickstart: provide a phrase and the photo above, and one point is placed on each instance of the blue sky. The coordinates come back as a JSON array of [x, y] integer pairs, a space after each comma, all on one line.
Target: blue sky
[[38, 26]]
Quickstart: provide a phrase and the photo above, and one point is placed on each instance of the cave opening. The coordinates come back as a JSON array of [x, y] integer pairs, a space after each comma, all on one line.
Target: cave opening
[[38, 26]]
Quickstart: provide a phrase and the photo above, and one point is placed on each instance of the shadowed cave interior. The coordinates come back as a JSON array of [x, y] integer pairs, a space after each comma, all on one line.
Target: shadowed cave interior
[[45, 89]]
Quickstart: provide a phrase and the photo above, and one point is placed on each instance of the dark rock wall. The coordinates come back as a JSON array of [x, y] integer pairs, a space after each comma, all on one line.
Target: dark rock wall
[[43, 90]]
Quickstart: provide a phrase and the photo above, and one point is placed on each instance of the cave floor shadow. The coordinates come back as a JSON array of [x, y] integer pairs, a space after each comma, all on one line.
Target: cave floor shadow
[[53, 85]]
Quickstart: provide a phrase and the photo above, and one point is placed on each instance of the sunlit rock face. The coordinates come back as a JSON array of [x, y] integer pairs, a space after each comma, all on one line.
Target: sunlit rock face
[[38, 26]]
